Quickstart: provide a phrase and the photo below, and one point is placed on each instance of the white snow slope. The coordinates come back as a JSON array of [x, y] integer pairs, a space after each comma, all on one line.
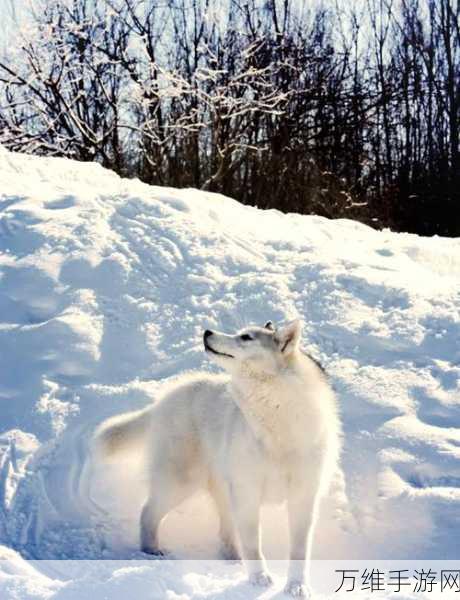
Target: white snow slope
[[106, 285]]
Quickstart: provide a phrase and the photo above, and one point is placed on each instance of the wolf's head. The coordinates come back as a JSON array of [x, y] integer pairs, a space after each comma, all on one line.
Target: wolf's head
[[256, 349]]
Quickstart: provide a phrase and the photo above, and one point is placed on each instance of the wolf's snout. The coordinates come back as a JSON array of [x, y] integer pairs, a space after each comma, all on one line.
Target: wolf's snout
[[206, 334]]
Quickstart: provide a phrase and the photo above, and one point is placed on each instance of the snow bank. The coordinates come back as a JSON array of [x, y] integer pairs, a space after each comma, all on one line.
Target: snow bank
[[105, 288]]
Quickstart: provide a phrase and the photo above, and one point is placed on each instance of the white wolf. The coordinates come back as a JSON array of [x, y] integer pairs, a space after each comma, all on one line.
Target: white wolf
[[268, 431]]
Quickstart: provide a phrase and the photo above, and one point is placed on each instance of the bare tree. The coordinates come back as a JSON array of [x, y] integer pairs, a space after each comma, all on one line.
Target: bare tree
[[338, 109]]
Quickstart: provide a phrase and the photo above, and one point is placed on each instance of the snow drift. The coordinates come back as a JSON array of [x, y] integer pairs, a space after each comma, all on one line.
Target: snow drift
[[106, 285]]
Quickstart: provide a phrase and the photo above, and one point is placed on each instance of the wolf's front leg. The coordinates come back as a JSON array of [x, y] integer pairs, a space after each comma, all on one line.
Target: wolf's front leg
[[302, 509], [246, 517]]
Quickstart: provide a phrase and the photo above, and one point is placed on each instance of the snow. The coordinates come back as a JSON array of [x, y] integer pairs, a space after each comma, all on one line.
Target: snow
[[106, 285]]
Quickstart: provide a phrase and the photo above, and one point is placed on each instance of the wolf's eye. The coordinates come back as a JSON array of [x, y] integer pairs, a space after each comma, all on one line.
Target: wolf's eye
[[246, 338]]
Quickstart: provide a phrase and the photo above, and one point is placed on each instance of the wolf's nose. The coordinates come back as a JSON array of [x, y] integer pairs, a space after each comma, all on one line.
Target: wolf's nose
[[207, 333]]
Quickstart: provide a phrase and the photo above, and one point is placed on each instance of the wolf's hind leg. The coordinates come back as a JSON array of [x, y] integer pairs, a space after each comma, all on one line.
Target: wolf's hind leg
[[150, 522], [160, 502], [229, 549]]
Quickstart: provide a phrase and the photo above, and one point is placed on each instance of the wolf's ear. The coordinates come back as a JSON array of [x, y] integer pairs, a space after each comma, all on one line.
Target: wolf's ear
[[288, 337], [269, 325]]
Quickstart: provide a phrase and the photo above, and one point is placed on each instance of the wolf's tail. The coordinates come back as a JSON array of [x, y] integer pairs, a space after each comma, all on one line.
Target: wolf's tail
[[122, 432]]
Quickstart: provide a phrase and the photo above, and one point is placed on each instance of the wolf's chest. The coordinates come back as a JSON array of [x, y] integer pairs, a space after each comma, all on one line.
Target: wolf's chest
[[280, 425]]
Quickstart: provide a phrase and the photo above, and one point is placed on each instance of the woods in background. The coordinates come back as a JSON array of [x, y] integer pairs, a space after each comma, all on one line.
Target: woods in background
[[336, 108]]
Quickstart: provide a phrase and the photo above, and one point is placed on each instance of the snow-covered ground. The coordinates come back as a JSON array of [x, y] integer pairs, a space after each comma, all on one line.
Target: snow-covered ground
[[105, 288]]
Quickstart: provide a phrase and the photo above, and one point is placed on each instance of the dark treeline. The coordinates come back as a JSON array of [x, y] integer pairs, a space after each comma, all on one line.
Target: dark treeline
[[335, 108]]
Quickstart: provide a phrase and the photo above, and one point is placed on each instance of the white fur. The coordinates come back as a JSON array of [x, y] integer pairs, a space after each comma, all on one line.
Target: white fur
[[267, 431]]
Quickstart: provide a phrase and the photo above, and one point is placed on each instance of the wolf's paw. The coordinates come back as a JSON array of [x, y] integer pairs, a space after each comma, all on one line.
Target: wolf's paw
[[296, 589], [261, 578], [154, 552], [229, 553]]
